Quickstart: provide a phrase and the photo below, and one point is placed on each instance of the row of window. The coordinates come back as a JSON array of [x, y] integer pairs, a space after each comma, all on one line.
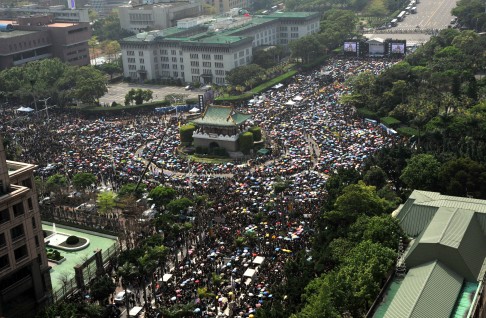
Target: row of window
[[25, 44], [19, 254], [18, 210]]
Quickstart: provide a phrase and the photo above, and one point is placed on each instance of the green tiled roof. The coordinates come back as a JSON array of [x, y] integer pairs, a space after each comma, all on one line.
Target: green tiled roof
[[221, 116], [291, 14], [216, 39], [429, 290]]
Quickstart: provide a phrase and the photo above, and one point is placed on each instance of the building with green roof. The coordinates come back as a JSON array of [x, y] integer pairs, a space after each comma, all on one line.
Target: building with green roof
[[446, 254], [204, 49], [220, 126]]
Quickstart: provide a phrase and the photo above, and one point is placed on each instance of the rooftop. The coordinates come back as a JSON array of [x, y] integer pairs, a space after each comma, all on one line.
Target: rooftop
[[221, 116]]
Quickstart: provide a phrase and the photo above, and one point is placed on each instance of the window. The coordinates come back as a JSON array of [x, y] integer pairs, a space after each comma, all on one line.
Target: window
[[20, 252], [132, 67], [142, 67], [131, 60], [36, 241], [218, 56], [181, 60], [242, 53], [4, 216], [174, 66], [174, 59], [34, 224], [29, 203], [206, 64], [3, 242], [235, 56], [247, 51], [194, 70], [218, 64], [4, 261], [294, 35], [176, 74], [194, 56], [195, 63], [206, 56], [164, 59], [17, 232], [173, 52], [294, 28], [140, 53], [142, 61], [219, 72]]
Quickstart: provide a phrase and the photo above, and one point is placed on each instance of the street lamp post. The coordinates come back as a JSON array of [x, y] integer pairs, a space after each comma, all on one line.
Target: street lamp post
[[45, 106], [32, 83]]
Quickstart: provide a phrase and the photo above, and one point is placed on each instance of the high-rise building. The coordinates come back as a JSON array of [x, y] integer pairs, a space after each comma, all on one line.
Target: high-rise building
[[37, 37], [25, 283]]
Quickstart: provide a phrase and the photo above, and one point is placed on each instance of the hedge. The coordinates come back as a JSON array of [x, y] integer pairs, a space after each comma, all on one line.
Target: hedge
[[257, 90], [257, 133], [390, 122], [407, 131], [185, 133], [246, 142], [129, 108]]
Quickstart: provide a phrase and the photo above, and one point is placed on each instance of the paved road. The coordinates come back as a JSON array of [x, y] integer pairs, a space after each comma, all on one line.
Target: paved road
[[117, 92], [431, 14]]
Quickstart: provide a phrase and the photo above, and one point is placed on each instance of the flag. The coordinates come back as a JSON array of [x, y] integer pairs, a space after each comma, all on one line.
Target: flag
[[71, 4]]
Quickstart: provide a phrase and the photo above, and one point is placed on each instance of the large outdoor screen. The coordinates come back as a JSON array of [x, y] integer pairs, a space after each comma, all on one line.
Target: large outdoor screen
[[350, 47], [398, 48]]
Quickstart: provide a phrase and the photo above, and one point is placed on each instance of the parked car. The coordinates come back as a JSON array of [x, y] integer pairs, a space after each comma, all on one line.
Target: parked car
[[120, 297]]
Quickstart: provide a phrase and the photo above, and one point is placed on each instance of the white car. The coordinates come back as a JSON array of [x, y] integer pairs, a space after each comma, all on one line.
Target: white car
[[120, 297]]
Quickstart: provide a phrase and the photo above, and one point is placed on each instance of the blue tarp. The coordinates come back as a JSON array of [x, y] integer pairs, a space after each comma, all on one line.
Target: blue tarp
[[170, 109]]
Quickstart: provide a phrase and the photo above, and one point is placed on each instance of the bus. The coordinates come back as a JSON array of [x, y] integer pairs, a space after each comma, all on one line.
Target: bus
[[401, 16], [413, 10], [394, 22]]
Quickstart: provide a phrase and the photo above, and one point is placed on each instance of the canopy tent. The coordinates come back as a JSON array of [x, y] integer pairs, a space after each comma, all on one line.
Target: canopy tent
[[290, 102], [298, 98], [25, 109], [278, 86], [194, 110], [166, 277], [249, 272], [258, 260]]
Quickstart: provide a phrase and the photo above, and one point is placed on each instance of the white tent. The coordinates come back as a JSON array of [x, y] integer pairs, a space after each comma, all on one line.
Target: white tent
[[290, 102], [194, 110], [25, 109], [249, 272], [258, 260], [298, 98], [166, 277], [278, 86]]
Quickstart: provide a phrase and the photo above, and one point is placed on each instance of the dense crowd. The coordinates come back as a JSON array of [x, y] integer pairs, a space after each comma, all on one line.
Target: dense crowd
[[250, 231]]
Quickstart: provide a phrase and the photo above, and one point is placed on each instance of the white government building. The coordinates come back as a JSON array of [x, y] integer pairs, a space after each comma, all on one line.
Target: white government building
[[203, 49]]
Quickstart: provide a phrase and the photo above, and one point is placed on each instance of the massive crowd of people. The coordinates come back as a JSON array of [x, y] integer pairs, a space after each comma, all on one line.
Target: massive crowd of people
[[250, 231]]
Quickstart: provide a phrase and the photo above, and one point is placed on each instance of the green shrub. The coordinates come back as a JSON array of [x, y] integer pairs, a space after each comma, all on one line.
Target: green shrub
[[257, 133], [185, 133], [192, 101], [72, 240], [246, 142]]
